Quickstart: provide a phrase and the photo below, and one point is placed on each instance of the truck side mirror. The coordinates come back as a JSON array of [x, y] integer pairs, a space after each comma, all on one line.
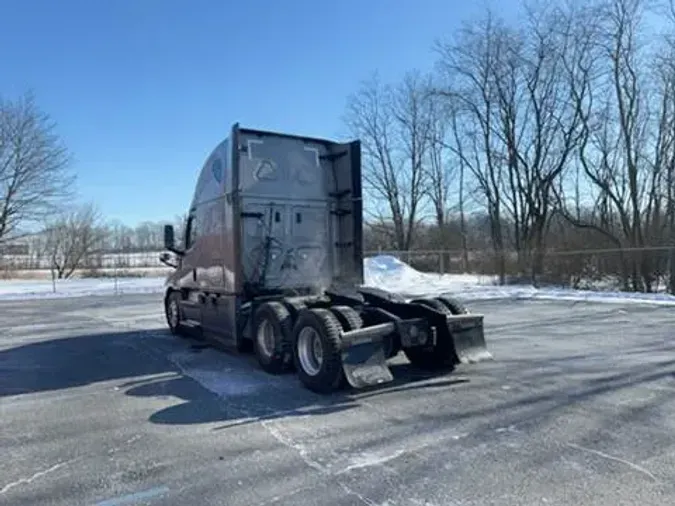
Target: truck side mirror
[[168, 238], [165, 258]]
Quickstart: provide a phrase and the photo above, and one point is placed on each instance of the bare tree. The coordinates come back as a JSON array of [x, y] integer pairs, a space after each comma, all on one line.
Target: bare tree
[[179, 225], [667, 78], [446, 176], [120, 237], [518, 123], [34, 176], [631, 118], [148, 235], [439, 169], [541, 121], [70, 238], [393, 124], [627, 145], [466, 66]]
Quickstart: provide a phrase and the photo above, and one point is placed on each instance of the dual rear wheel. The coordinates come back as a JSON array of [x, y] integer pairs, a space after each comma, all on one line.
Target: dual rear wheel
[[446, 305], [312, 345], [272, 327]]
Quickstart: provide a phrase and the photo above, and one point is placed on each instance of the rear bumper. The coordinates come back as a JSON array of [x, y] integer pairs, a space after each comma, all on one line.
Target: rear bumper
[[363, 350], [373, 334], [412, 332], [416, 331]]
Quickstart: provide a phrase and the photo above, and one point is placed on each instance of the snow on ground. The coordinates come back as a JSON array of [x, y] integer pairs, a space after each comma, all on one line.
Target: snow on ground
[[383, 271], [23, 289]]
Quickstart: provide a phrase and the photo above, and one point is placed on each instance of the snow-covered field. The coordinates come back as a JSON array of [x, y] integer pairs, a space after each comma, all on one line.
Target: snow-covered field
[[23, 289], [120, 260], [380, 271]]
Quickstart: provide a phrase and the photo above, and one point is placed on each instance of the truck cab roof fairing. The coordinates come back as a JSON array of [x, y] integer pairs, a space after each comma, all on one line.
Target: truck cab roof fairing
[[213, 177]]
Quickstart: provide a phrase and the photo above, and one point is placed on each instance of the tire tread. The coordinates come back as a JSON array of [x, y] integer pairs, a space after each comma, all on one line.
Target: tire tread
[[331, 375]]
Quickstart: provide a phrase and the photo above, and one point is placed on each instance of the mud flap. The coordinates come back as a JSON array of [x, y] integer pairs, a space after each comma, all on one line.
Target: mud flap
[[365, 364], [468, 338]]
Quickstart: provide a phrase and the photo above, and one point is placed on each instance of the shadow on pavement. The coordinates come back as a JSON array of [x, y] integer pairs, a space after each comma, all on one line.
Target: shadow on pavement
[[131, 355], [76, 361], [202, 406], [540, 389], [275, 397]]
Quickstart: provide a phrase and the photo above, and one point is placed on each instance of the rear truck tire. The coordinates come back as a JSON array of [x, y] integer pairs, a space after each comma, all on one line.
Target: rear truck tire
[[173, 313], [438, 357], [351, 320], [433, 304], [348, 317], [316, 350], [243, 342], [381, 294], [272, 334], [454, 305], [294, 306]]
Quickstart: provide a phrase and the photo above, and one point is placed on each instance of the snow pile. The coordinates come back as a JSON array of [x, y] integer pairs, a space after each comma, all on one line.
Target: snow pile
[[388, 270], [390, 273]]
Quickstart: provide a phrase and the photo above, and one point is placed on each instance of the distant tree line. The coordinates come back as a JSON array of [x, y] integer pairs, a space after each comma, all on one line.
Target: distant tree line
[[80, 239]]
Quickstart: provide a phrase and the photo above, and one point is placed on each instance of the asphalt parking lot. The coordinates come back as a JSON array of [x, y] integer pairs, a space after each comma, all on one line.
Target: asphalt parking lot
[[99, 405]]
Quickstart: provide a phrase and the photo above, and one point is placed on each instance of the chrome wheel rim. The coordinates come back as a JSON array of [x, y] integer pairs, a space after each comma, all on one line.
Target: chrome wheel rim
[[310, 351], [265, 338]]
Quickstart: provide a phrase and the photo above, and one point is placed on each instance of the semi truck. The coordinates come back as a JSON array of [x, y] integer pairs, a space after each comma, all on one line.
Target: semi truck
[[271, 262]]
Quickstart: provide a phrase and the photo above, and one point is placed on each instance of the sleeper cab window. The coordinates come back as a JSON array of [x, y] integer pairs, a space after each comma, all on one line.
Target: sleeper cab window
[[191, 232]]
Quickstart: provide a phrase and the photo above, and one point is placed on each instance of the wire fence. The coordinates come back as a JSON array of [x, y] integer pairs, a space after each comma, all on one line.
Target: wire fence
[[632, 269], [97, 260]]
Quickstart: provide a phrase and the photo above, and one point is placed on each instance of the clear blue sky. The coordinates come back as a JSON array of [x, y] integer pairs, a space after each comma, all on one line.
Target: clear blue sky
[[142, 90]]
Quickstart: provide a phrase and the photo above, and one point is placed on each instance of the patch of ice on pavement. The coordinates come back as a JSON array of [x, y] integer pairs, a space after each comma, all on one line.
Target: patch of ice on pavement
[[207, 369], [369, 459]]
